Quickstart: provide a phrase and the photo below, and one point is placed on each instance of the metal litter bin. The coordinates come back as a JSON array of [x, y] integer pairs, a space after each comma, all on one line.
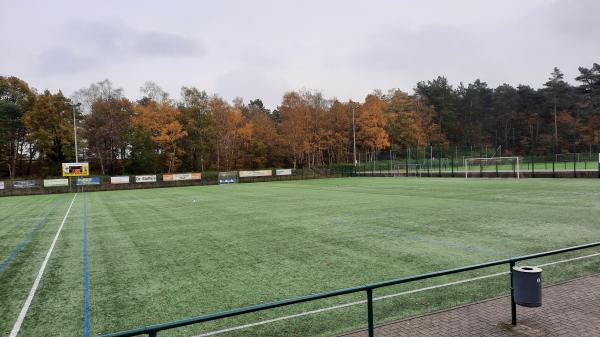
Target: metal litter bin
[[527, 285]]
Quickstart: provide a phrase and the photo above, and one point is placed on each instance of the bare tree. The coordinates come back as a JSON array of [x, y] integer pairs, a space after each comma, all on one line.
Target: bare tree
[[102, 90]]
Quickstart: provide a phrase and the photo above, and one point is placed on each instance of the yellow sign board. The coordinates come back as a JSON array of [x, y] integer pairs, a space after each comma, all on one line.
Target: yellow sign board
[[75, 169]]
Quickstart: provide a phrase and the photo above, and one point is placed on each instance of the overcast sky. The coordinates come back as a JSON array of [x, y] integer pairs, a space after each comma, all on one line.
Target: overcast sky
[[261, 49]]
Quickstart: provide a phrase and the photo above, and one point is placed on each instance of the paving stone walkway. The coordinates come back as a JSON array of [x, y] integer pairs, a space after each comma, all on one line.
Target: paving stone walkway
[[568, 309]]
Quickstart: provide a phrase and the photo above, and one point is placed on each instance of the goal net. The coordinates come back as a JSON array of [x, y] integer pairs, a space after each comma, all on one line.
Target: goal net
[[482, 166]]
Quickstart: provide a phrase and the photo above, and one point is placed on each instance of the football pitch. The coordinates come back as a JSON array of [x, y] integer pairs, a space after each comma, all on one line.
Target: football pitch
[[124, 259]]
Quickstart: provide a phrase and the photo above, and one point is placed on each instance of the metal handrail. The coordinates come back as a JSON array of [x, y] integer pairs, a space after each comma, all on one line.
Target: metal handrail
[[152, 330]]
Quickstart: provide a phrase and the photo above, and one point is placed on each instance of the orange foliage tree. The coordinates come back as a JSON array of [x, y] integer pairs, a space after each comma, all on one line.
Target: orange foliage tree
[[294, 124], [225, 120], [337, 137], [370, 125], [161, 120], [410, 122], [260, 141]]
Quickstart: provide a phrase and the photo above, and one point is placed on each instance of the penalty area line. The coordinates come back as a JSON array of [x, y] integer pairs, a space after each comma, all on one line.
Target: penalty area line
[[312, 312], [17, 327]]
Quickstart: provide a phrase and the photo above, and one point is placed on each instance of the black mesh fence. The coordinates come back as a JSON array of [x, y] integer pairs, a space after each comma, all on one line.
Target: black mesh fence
[[482, 161]]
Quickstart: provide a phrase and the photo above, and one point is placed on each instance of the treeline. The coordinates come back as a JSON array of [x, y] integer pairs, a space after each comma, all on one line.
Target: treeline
[[202, 132]]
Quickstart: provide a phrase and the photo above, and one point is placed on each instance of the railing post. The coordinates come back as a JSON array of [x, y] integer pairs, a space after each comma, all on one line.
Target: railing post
[[152, 333], [513, 305], [371, 327]]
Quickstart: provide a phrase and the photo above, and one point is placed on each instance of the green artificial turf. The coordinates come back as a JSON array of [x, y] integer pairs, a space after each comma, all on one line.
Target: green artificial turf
[[158, 255]]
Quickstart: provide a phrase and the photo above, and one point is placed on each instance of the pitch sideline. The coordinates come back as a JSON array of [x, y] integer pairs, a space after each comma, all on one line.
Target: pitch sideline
[[17, 327]]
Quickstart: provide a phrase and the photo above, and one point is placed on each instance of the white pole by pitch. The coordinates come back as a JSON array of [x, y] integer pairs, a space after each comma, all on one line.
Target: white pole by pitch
[[74, 107]]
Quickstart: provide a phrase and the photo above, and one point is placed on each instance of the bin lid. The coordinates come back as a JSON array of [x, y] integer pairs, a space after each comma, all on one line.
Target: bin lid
[[527, 269]]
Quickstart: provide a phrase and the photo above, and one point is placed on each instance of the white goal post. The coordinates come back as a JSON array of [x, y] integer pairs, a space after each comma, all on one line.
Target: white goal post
[[493, 160]]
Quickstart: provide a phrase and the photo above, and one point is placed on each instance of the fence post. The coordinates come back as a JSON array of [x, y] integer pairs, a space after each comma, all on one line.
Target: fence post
[[408, 154], [416, 163], [374, 167], [427, 161], [152, 333], [513, 305], [480, 162], [439, 162], [497, 175], [574, 162], [371, 326]]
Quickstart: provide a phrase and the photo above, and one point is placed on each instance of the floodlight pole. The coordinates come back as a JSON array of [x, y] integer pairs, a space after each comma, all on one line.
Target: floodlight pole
[[354, 136], [74, 107]]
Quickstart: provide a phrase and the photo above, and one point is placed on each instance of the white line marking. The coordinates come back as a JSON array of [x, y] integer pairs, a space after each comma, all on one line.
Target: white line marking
[[439, 286], [568, 260], [280, 319], [21, 318], [306, 313]]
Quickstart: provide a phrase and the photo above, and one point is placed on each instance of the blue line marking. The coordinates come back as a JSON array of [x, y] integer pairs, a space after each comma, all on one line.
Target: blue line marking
[[86, 319], [28, 237]]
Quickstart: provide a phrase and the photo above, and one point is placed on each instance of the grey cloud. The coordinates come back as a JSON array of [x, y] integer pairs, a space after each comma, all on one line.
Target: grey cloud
[[89, 45], [432, 46], [575, 19], [263, 48], [163, 44], [59, 60], [95, 36], [117, 37], [519, 49]]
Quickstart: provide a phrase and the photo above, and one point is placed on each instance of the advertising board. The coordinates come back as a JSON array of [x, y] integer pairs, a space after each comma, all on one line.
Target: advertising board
[[258, 173], [148, 178], [283, 172], [56, 182], [119, 180], [24, 183], [83, 181]]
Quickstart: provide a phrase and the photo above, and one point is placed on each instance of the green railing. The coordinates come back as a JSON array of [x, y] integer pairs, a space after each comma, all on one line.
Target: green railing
[[152, 330]]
